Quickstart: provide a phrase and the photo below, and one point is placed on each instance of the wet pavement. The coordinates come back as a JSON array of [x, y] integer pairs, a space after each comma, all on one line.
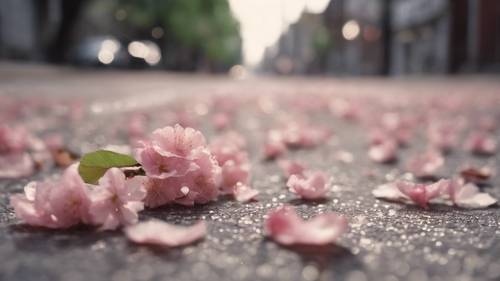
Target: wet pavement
[[386, 241]]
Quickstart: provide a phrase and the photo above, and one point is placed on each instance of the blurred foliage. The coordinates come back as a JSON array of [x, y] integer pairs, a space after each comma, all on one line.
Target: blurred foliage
[[198, 32]]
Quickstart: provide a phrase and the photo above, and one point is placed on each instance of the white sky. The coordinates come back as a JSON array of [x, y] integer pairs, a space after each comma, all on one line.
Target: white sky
[[263, 21]]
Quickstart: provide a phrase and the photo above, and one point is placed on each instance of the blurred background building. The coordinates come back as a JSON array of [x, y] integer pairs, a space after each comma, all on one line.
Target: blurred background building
[[338, 37]]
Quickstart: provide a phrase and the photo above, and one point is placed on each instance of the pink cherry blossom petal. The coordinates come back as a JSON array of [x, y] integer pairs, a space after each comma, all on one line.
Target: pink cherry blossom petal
[[383, 152], [174, 158], [469, 196], [450, 192], [117, 200], [244, 193], [274, 145], [426, 164], [285, 227], [443, 136], [481, 143], [160, 233], [420, 194], [311, 186], [291, 167], [54, 204], [16, 165], [13, 139]]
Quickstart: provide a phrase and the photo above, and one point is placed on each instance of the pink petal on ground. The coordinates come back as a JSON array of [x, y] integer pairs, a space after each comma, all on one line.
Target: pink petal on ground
[[233, 174], [344, 156], [469, 196], [443, 136], [291, 167], [13, 139], [285, 227], [311, 186], [117, 200], [389, 191], [158, 232], [426, 164], [275, 145], [420, 194], [244, 193], [221, 120], [481, 143], [54, 204], [409, 192], [16, 165], [383, 152]]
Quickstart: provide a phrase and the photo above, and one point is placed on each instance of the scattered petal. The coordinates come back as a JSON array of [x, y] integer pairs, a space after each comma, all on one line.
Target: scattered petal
[[285, 227], [468, 196], [117, 200], [449, 192], [244, 193], [481, 143], [426, 164], [291, 167], [54, 204], [16, 165], [383, 152], [161, 233], [311, 186]]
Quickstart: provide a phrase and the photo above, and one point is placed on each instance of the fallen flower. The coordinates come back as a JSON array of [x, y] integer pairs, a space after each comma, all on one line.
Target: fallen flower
[[117, 200], [232, 174], [450, 192], [221, 120], [13, 139], [161, 233], [383, 152], [443, 136], [311, 185], [344, 156], [54, 204], [274, 145], [426, 164], [244, 193], [228, 150], [16, 165], [409, 192], [179, 167], [468, 195], [481, 143], [291, 167], [284, 226], [421, 194]]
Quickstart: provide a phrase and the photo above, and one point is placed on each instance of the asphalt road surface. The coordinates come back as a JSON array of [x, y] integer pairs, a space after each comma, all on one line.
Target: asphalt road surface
[[386, 241]]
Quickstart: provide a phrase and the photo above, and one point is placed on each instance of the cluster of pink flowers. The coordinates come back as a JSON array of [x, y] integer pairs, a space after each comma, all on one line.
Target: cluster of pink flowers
[[179, 167], [450, 192]]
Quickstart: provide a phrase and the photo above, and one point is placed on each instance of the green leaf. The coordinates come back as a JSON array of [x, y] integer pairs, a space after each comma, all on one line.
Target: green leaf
[[95, 164]]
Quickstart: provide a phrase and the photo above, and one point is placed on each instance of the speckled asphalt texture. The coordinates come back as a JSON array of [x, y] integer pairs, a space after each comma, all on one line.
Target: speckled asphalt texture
[[386, 241]]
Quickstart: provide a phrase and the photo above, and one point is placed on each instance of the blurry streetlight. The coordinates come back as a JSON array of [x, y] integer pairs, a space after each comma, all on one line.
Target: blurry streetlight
[[351, 30], [146, 50]]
